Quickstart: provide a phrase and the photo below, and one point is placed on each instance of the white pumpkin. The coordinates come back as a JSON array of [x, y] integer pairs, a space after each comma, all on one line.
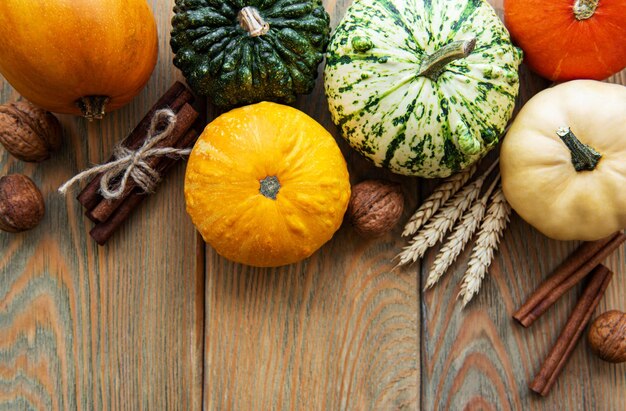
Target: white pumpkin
[[563, 161]]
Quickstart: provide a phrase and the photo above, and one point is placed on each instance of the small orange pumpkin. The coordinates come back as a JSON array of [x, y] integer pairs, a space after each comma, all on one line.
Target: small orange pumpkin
[[79, 56], [266, 185], [569, 39]]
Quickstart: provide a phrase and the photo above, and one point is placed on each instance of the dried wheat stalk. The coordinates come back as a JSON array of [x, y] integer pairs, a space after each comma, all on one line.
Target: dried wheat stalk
[[440, 224], [443, 221], [491, 231], [462, 234], [442, 193]]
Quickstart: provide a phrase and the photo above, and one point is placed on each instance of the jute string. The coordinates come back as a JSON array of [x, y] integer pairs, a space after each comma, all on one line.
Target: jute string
[[133, 164]]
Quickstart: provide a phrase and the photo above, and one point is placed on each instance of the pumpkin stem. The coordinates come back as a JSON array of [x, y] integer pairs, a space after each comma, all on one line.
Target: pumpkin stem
[[93, 107], [436, 63], [270, 186], [584, 158], [250, 19], [584, 9]]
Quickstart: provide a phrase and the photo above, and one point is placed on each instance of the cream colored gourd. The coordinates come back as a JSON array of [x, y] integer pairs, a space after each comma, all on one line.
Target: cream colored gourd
[[539, 177]]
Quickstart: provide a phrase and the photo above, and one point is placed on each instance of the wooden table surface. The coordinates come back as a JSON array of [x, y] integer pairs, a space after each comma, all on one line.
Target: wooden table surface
[[156, 320]]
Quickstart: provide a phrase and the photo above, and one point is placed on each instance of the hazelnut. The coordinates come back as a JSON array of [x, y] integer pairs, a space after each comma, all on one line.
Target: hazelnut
[[375, 207], [607, 336], [21, 203], [29, 133]]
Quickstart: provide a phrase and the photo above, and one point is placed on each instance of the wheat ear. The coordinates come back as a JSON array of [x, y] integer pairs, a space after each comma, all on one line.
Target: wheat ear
[[491, 231], [443, 221], [462, 234], [442, 193]]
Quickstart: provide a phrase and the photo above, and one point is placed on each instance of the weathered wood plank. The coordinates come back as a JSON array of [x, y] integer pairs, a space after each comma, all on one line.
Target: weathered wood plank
[[119, 327], [478, 358], [122, 327], [338, 331]]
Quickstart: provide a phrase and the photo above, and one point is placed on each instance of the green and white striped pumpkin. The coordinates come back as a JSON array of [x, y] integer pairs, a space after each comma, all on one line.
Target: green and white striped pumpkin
[[402, 111]]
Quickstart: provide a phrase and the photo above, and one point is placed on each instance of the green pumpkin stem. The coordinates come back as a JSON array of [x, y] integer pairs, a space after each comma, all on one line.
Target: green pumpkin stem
[[584, 9], [250, 19], [436, 63], [93, 107], [584, 158], [270, 186]]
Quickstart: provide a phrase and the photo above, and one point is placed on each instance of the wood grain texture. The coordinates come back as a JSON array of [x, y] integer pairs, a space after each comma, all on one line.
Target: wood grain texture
[[320, 334], [123, 327], [119, 327], [338, 331], [479, 358]]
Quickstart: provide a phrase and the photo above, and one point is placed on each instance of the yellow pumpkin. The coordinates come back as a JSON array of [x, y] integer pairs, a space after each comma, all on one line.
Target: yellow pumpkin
[[266, 185], [78, 56], [563, 161]]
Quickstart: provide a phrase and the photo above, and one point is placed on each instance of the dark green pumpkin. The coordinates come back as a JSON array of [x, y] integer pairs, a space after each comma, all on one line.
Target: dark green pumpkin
[[244, 51]]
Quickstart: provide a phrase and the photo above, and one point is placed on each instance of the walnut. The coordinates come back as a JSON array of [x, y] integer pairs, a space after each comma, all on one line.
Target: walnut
[[375, 207], [21, 203], [607, 336], [29, 133]]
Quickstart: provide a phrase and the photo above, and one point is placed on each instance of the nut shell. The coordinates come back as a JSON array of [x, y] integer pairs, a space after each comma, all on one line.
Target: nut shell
[[607, 336], [28, 132], [375, 207], [21, 203]]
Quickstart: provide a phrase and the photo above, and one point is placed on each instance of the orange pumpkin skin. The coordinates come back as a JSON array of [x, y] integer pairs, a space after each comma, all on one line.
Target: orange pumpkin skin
[[561, 47], [54, 52], [233, 160]]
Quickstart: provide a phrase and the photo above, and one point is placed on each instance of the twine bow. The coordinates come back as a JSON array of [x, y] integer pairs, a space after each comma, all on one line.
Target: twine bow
[[134, 163]]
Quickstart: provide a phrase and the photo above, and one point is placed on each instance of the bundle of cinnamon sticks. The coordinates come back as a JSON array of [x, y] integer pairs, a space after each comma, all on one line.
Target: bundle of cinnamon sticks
[[110, 214], [586, 261]]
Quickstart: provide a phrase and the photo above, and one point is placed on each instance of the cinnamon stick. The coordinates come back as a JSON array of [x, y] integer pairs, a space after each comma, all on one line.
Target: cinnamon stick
[[578, 320], [175, 97], [90, 196], [568, 274], [184, 120], [103, 231]]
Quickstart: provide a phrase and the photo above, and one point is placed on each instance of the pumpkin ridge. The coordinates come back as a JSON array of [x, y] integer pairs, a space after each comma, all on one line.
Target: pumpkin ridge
[[295, 238], [398, 17], [374, 101], [282, 49], [290, 11], [453, 157], [401, 136], [467, 17], [205, 42]]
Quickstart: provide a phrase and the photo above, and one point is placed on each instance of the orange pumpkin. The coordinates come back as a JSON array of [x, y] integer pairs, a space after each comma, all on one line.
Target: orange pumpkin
[[570, 39], [266, 185], [79, 56]]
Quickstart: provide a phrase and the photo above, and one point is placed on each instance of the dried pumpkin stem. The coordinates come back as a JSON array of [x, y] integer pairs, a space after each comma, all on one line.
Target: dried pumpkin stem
[[584, 158], [270, 186], [250, 19], [93, 107], [584, 9], [436, 63]]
